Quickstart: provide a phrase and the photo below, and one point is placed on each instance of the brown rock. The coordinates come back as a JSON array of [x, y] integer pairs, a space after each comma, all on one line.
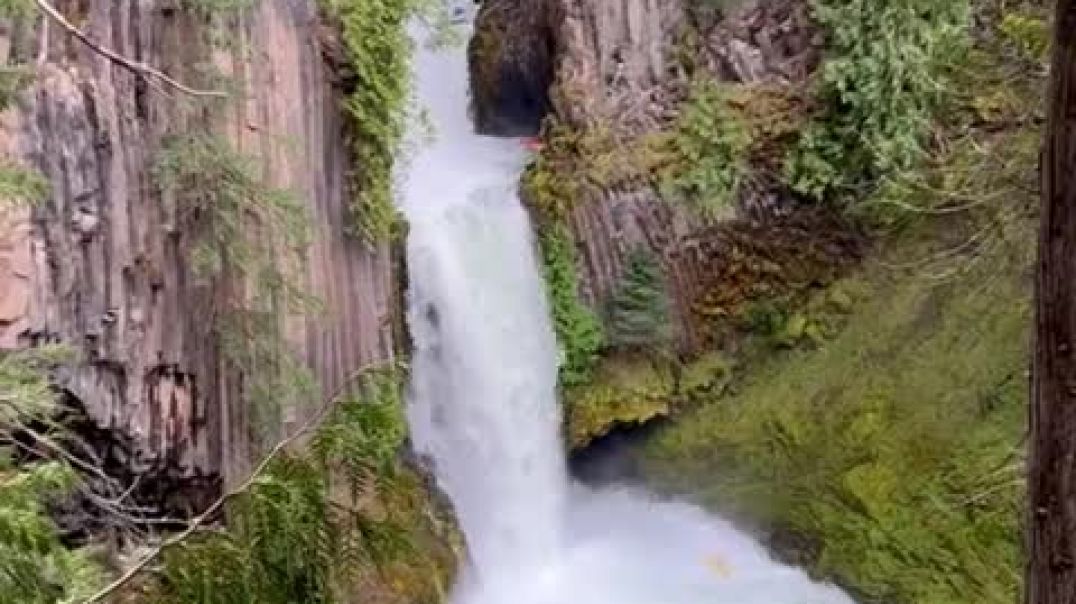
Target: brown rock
[[104, 266]]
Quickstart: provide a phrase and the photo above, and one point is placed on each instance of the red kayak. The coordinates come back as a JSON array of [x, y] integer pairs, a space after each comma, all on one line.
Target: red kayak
[[532, 143]]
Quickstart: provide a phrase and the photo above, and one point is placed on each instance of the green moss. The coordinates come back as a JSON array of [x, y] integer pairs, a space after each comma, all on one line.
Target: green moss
[[378, 104], [577, 164], [632, 390], [626, 391], [881, 420], [801, 320], [579, 333], [895, 446]]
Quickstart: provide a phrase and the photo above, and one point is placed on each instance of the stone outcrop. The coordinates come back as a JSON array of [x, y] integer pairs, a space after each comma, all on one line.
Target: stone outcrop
[[103, 264], [622, 67], [761, 41], [511, 57]]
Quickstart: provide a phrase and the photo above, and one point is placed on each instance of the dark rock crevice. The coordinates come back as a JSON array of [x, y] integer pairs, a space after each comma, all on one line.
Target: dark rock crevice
[[511, 59]]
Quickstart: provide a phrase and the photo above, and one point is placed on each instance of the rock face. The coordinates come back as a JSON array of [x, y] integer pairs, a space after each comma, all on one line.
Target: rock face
[[511, 58], [621, 67], [761, 41], [103, 265], [624, 58]]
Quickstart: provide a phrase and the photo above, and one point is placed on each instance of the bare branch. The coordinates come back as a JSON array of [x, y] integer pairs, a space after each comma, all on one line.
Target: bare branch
[[136, 67], [198, 521]]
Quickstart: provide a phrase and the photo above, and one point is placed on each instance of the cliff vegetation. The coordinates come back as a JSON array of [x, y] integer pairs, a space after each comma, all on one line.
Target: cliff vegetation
[[859, 392]]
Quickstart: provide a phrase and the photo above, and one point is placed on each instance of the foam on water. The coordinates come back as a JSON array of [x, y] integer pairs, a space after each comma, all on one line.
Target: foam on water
[[483, 404]]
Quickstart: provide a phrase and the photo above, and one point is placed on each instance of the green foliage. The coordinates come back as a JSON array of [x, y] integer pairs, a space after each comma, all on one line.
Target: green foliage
[[25, 392], [220, 23], [378, 48], [21, 186], [577, 162], [364, 439], [882, 82], [238, 214], [640, 318], [710, 146], [579, 332], [894, 448], [37, 568], [212, 8], [985, 166], [16, 9], [255, 236], [892, 445], [13, 78], [378, 51], [1029, 32], [298, 536]]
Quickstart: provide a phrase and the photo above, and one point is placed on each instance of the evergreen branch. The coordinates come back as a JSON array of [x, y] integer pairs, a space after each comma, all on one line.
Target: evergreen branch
[[140, 69], [60, 450], [198, 521]]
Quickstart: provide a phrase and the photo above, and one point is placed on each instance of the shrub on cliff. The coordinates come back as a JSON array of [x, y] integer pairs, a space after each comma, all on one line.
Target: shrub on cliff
[[36, 567], [343, 517], [579, 333], [885, 77]]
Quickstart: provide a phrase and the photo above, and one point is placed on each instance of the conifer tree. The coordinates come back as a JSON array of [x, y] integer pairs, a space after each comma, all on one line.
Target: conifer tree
[[1051, 569], [640, 309]]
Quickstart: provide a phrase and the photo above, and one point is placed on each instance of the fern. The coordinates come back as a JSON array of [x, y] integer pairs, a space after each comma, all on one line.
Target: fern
[[36, 568], [291, 538]]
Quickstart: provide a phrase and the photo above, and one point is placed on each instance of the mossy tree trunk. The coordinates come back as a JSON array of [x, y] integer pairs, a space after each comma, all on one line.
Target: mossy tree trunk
[[1051, 574]]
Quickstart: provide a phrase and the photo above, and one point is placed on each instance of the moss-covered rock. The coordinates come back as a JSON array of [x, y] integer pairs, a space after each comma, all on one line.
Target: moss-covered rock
[[628, 391], [892, 450]]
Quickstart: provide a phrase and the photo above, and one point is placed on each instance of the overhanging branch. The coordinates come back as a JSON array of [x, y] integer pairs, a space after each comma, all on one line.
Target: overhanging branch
[[196, 523], [140, 69]]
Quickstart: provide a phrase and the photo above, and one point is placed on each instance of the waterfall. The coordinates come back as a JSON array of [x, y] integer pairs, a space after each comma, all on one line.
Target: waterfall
[[483, 406]]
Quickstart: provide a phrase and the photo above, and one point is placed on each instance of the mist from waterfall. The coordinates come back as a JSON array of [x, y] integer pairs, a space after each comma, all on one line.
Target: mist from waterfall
[[483, 406]]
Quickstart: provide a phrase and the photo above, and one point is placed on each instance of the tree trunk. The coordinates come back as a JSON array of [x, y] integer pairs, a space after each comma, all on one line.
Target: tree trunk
[[1051, 574]]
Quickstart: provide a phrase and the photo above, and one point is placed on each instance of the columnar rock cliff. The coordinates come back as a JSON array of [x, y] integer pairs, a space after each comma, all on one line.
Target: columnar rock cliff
[[622, 67], [103, 263]]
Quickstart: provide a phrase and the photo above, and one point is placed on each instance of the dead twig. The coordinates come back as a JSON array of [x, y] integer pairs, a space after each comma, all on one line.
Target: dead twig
[[196, 523], [135, 67]]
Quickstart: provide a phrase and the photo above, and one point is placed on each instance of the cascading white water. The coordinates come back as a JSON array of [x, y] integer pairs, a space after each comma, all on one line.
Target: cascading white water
[[483, 404]]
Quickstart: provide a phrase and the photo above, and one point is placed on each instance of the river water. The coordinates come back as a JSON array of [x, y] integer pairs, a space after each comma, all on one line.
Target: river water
[[483, 404]]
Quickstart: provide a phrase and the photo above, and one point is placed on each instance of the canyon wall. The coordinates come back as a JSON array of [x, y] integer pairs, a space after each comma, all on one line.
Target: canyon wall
[[622, 68], [103, 263]]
